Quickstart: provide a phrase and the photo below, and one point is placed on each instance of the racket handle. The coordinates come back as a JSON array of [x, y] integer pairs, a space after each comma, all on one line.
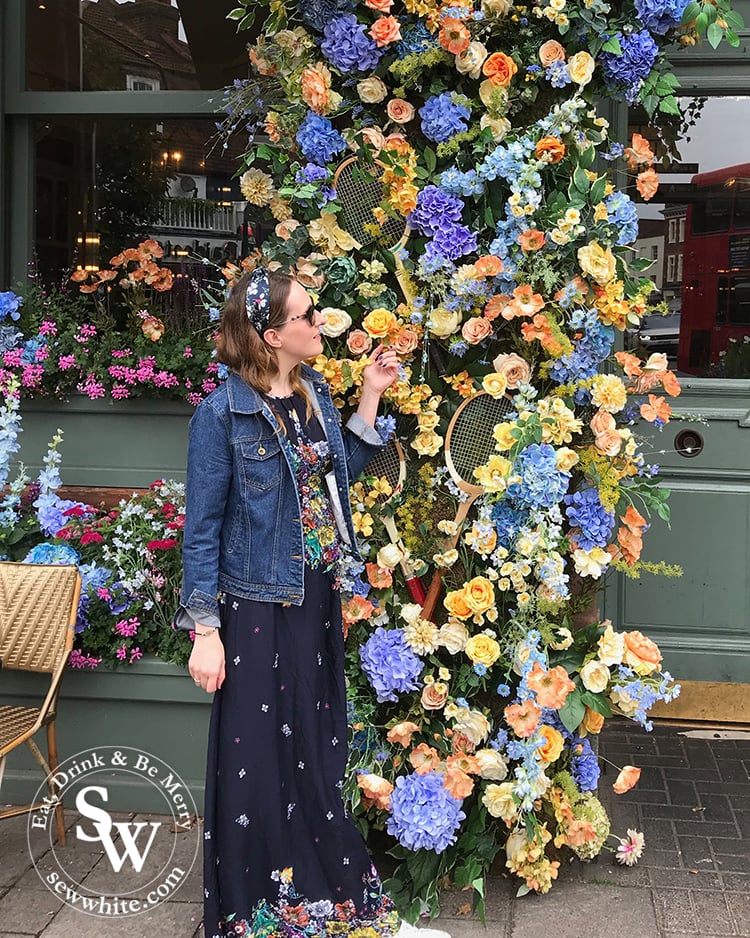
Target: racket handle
[[416, 589], [433, 594]]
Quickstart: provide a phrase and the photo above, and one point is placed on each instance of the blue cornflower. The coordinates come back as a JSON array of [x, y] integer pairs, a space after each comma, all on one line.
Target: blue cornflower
[[503, 690], [386, 426]]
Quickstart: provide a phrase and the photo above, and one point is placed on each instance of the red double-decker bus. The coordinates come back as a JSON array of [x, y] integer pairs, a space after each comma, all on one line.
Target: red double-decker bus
[[715, 302]]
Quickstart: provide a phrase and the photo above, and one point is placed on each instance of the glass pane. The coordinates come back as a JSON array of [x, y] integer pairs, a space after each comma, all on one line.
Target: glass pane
[[138, 45], [105, 185], [700, 234]]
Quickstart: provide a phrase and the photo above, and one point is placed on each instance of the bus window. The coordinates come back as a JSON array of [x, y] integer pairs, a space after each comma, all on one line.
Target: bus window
[[722, 300], [739, 302], [741, 218], [711, 212]]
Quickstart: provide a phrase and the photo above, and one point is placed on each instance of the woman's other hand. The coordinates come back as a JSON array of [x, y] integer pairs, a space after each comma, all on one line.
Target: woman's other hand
[[382, 370], [206, 664]]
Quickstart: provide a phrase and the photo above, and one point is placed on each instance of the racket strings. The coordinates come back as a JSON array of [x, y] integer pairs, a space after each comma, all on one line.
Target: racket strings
[[386, 464], [358, 197], [471, 443]]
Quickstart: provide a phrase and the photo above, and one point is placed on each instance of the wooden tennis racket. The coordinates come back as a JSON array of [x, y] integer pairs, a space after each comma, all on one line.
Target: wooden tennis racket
[[359, 191], [469, 443], [390, 463]]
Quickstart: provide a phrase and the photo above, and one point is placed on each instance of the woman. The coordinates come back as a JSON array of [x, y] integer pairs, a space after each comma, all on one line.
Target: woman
[[267, 522]]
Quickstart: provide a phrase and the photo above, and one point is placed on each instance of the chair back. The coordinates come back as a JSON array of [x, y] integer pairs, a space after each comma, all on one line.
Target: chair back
[[38, 609]]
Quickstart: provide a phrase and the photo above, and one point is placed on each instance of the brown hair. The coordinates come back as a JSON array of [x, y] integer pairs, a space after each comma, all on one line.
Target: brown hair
[[242, 348]]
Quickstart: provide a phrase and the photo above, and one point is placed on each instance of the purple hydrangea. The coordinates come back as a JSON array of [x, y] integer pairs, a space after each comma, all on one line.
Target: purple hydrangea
[[658, 16], [585, 511], [442, 118], [454, 241], [542, 484], [318, 140], [435, 209], [390, 665], [424, 814], [585, 767], [347, 47], [633, 64]]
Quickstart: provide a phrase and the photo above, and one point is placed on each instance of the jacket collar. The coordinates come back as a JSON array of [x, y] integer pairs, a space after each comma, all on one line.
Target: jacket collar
[[245, 400]]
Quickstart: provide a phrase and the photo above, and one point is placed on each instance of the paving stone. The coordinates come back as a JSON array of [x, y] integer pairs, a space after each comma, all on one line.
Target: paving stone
[[697, 879], [169, 918], [730, 863], [19, 915], [613, 874], [736, 882], [661, 834], [712, 910], [664, 859], [718, 808], [696, 852], [585, 911], [682, 792], [676, 812], [739, 906], [700, 828], [733, 770], [674, 911]]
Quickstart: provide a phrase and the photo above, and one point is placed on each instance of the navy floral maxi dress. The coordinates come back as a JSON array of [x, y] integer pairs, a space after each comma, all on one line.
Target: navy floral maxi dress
[[281, 857]]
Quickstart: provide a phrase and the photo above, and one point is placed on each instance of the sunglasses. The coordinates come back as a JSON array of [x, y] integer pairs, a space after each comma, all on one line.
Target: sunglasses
[[309, 315]]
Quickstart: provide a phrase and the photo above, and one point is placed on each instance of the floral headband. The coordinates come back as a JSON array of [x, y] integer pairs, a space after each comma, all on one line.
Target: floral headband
[[258, 299]]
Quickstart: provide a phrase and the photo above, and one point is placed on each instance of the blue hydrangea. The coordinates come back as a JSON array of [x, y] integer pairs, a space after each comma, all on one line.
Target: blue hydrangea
[[542, 484], [30, 348], [659, 16], [317, 14], [52, 553], [347, 46], [390, 665], [585, 767], [318, 140], [424, 815], [311, 173], [50, 511], [9, 338], [585, 511], [454, 241], [9, 305], [622, 213], [442, 118], [633, 65], [588, 352], [508, 522], [435, 209], [415, 39], [458, 183], [558, 74]]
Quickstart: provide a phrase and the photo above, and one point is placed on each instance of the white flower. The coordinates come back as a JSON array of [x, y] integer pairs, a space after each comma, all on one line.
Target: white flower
[[631, 847], [389, 556], [336, 322], [410, 612], [422, 636], [257, 187], [595, 676]]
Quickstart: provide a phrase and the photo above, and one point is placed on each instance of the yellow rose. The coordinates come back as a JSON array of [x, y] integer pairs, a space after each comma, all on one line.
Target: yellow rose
[[597, 262], [495, 384], [336, 322], [552, 746], [379, 323], [581, 68], [481, 649], [469, 62], [500, 801], [492, 764], [442, 323], [595, 676], [494, 98], [453, 636], [611, 645], [427, 443], [503, 437], [428, 420], [565, 459], [455, 603], [479, 594], [371, 90]]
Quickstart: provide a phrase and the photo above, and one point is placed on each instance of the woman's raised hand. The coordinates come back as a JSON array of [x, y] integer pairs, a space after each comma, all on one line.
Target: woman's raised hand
[[382, 370]]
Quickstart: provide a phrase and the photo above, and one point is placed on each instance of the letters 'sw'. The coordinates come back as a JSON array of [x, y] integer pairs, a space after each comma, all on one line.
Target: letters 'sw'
[[129, 831]]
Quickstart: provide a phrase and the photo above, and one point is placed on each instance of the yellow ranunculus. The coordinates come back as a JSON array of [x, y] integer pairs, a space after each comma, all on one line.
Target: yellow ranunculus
[[479, 594], [495, 384], [581, 67], [597, 262], [481, 649], [380, 323], [493, 476], [499, 801], [371, 90], [334, 241]]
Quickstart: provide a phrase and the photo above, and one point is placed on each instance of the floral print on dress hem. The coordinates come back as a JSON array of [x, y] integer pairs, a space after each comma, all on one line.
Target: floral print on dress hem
[[296, 916]]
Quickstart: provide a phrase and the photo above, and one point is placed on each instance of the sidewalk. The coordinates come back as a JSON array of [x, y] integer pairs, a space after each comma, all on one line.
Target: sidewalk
[[692, 803]]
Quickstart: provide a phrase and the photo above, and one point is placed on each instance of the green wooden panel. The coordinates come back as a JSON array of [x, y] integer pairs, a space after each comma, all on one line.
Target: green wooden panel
[[109, 443], [702, 620]]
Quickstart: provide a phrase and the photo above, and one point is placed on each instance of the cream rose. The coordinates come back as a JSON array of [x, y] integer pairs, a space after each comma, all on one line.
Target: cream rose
[[473, 724], [389, 556], [494, 98], [453, 636], [469, 62], [597, 262], [497, 7], [443, 323], [499, 126], [309, 275], [285, 228], [515, 369], [595, 676], [371, 90], [565, 458], [492, 764], [410, 612], [337, 321], [427, 443], [434, 696], [358, 342], [500, 802], [622, 700], [581, 67]]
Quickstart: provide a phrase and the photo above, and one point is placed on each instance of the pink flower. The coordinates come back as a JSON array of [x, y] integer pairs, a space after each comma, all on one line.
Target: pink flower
[[32, 376], [119, 391], [12, 358], [135, 654], [121, 353], [91, 387], [208, 386], [91, 537], [103, 593], [66, 361], [162, 544], [188, 353], [48, 327], [127, 627], [122, 653]]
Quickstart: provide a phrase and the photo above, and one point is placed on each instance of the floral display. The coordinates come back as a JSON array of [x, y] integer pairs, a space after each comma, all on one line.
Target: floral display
[[442, 179]]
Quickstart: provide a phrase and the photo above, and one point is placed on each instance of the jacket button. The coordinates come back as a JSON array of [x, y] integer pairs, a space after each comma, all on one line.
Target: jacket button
[[261, 451]]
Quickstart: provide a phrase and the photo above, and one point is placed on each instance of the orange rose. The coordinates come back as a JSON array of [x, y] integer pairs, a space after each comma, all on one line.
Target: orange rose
[[382, 6], [434, 696], [454, 37], [641, 653], [402, 733], [488, 265], [405, 341], [592, 721], [532, 239], [602, 421], [456, 604], [550, 149], [379, 577], [476, 329], [627, 778], [380, 323], [552, 745], [385, 30], [500, 69], [400, 111], [647, 183], [551, 51], [513, 368]]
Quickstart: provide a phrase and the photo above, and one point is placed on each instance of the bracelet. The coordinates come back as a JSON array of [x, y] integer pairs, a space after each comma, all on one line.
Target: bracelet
[[203, 634]]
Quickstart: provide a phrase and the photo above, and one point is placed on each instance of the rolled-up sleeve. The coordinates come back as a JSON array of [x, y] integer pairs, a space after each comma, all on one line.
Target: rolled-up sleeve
[[209, 477], [361, 442]]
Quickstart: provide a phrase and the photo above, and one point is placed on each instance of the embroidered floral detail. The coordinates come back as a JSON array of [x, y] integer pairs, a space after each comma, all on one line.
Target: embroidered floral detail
[[296, 916], [286, 730], [243, 820]]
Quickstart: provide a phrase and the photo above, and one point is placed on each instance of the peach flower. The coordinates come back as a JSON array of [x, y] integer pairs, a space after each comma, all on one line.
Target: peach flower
[[488, 265], [379, 577], [524, 303], [638, 152], [454, 37], [500, 69], [284, 229], [579, 832], [532, 239], [402, 733], [551, 687], [602, 421], [434, 696], [458, 783], [495, 305], [641, 653], [656, 409], [523, 718], [382, 6], [515, 369], [627, 778], [358, 342], [405, 341], [385, 30], [608, 443], [592, 721], [316, 88], [647, 183], [455, 603], [373, 137], [308, 275], [476, 330], [550, 149], [424, 759], [376, 790], [400, 111], [551, 51]]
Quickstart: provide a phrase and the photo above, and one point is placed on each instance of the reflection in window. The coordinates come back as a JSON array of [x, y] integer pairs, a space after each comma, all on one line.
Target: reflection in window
[[702, 228], [103, 185], [139, 45]]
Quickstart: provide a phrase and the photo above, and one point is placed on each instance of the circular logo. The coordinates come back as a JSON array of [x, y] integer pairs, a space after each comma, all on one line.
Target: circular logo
[[141, 860]]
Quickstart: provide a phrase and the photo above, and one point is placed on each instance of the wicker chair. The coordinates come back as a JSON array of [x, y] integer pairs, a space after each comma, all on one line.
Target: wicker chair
[[38, 607]]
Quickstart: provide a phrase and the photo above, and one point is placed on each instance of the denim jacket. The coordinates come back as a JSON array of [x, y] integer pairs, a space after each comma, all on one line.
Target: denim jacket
[[243, 527]]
